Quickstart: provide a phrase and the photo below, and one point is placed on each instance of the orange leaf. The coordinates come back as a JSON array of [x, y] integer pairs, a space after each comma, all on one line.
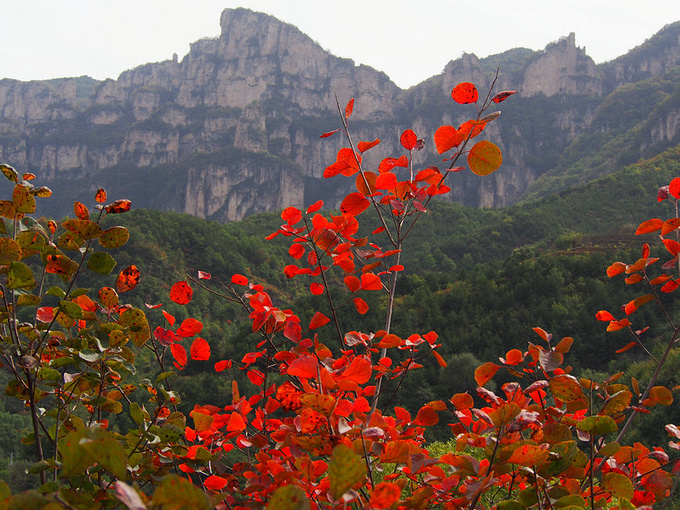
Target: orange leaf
[[81, 211], [447, 137], [670, 225], [615, 269], [484, 158], [181, 293], [440, 360], [362, 181], [100, 196], [119, 206], [604, 315], [427, 417], [462, 401], [370, 281], [354, 204], [364, 146], [200, 350], [513, 357], [465, 93], [618, 325], [649, 226], [318, 320], [528, 455], [329, 133], [672, 246], [236, 423], [385, 495], [360, 305], [128, 279], [485, 373]]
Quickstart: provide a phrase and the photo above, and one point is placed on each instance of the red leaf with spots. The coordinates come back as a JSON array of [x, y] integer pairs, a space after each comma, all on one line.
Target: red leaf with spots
[[100, 196], [119, 206], [181, 293], [200, 350], [128, 279], [354, 204], [465, 93], [239, 279]]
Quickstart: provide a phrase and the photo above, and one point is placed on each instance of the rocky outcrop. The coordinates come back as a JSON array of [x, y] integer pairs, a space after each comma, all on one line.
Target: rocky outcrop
[[235, 125]]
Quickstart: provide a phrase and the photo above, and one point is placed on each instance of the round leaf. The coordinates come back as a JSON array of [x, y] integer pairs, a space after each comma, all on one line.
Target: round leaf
[[484, 158], [101, 263]]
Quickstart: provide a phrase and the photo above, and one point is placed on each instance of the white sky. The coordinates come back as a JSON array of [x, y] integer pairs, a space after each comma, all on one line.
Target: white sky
[[409, 40]]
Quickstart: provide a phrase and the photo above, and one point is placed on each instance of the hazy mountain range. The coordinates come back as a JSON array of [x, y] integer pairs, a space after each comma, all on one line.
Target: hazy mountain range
[[233, 128]]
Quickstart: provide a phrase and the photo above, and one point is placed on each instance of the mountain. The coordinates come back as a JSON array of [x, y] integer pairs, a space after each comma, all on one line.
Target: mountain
[[233, 128]]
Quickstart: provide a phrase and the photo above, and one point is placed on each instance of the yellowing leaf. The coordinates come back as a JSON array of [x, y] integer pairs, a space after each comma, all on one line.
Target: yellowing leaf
[[345, 469], [484, 158]]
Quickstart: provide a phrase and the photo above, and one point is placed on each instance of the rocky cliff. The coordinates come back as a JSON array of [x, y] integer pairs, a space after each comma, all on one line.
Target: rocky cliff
[[233, 128]]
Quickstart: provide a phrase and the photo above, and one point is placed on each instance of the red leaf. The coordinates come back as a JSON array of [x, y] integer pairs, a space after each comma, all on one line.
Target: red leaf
[[447, 137], [354, 204], [239, 279], [318, 320], [128, 279], [427, 417], [408, 139], [45, 314], [179, 353], [358, 371], [181, 293], [291, 215], [364, 146], [385, 495], [256, 377], [215, 483], [349, 108], [222, 365], [202, 275], [305, 367], [485, 373], [465, 93], [329, 133], [236, 422], [169, 318], [200, 350], [315, 207], [165, 336], [296, 250], [649, 226], [316, 288], [615, 269], [189, 327], [672, 246], [353, 283], [502, 96], [360, 305], [370, 281], [674, 187]]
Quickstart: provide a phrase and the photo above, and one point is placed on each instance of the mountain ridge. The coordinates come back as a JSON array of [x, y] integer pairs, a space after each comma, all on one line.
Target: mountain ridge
[[266, 90]]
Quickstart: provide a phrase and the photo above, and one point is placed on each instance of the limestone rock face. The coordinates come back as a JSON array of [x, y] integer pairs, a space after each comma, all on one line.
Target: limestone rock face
[[233, 128]]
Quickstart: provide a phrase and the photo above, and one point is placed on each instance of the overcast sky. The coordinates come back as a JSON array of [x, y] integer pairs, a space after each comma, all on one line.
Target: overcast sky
[[408, 40]]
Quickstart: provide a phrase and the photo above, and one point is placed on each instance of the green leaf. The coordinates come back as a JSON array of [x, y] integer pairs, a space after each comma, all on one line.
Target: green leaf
[[83, 228], [136, 413], [570, 501], [75, 459], [114, 237], [136, 321], [177, 492], [89, 355], [566, 387], [20, 276], [289, 497], [28, 300], [345, 469], [510, 505], [49, 374], [70, 241], [56, 291], [10, 251], [619, 485], [31, 243], [597, 425], [108, 453], [101, 263], [22, 199], [71, 309]]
